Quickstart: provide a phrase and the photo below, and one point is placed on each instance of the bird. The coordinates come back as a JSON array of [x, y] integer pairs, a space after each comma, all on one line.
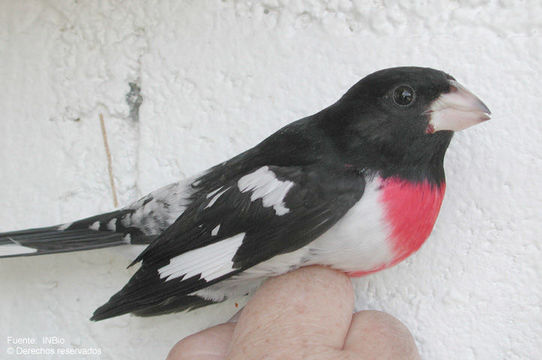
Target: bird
[[356, 187]]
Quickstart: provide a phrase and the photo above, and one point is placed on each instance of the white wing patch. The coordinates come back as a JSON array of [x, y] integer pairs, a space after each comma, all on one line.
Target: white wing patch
[[264, 185], [64, 226], [95, 226], [112, 224], [210, 262], [215, 230], [213, 192], [15, 249], [215, 198]]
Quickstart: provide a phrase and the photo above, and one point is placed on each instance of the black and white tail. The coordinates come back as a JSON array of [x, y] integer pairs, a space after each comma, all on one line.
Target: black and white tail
[[95, 232], [136, 224]]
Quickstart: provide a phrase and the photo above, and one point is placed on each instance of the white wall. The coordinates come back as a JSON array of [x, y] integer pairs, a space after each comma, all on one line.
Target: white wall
[[218, 76]]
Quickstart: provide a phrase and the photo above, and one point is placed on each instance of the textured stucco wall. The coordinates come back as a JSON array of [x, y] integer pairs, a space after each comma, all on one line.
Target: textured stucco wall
[[218, 76]]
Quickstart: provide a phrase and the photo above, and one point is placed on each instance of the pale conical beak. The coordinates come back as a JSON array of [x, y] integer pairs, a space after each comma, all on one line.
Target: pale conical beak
[[456, 110]]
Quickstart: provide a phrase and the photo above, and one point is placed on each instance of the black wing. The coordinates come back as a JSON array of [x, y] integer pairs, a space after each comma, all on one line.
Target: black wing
[[232, 224]]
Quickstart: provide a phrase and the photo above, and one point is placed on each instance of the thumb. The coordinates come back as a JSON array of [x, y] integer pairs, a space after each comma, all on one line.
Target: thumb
[[307, 309]]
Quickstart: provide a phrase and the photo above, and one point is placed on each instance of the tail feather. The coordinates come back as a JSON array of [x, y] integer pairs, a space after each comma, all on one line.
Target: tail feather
[[137, 224], [116, 307], [91, 233], [55, 241]]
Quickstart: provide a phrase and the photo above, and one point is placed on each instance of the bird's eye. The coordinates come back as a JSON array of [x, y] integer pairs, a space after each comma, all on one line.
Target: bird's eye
[[403, 95]]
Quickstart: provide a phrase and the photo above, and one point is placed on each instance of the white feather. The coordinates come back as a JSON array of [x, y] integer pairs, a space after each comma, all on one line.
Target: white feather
[[213, 192], [112, 224], [210, 262], [15, 249], [264, 185], [215, 198], [150, 215], [95, 226], [64, 226], [215, 230]]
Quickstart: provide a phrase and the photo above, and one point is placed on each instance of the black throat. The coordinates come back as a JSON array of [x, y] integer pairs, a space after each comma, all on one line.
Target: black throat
[[423, 160]]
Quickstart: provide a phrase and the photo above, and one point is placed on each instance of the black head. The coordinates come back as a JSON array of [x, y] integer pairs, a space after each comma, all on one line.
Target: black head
[[401, 118]]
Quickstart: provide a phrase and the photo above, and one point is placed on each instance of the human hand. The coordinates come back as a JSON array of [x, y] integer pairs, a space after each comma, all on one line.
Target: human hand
[[305, 314]]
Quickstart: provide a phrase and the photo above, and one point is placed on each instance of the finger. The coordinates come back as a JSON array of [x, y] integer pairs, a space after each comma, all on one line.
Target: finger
[[310, 307], [377, 335], [209, 344]]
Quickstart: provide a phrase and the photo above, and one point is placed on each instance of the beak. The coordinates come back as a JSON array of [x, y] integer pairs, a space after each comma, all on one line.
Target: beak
[[456, 110]]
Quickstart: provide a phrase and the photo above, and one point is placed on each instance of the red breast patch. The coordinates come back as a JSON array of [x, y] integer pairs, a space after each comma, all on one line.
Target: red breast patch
[[411, 209]]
